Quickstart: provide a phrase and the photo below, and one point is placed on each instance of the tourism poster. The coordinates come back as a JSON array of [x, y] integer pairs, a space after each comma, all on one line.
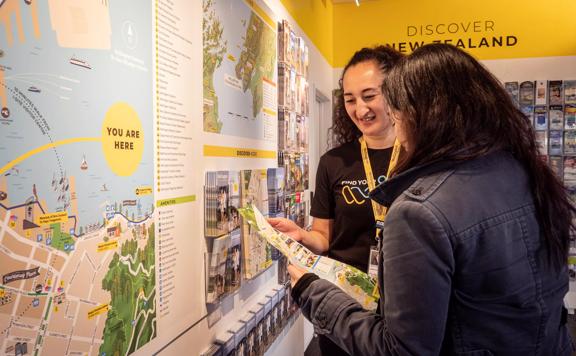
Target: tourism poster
[[77, 215]]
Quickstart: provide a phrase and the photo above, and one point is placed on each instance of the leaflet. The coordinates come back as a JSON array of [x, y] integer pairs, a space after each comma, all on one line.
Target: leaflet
[[351, 280]]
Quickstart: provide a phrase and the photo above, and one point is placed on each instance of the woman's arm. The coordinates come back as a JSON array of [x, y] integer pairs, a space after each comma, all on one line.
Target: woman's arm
[[417, 266]]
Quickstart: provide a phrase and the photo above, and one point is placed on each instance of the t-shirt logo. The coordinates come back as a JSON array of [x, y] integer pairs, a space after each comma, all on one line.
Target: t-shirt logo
[[355, 192]]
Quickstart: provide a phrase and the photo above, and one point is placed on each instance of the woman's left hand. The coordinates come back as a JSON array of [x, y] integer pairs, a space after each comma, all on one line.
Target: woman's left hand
[[295, 273]]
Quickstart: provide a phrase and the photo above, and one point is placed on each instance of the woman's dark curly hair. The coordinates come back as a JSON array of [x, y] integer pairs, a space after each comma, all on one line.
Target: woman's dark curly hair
[[343, 129]]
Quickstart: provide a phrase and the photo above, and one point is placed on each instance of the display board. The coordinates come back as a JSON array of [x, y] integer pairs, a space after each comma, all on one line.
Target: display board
[[95, 200], [106, 134], [550, 105], [78, 235], [239, 80]]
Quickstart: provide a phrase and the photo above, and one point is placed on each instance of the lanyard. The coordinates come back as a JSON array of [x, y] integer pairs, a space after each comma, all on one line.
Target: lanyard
[[379, 210]]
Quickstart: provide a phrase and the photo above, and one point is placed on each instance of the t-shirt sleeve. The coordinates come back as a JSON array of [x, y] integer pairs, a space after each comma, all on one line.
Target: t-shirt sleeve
[[323, 201]]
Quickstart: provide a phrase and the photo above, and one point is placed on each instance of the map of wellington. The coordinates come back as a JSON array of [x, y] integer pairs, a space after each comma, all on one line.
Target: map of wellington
[[77, 230], [239, 68]]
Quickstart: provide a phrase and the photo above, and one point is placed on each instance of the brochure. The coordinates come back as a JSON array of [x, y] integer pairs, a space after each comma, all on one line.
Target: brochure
[[570, 92], [555, 92], [526, 94], [540, 117], [556, 115], [351, 280]]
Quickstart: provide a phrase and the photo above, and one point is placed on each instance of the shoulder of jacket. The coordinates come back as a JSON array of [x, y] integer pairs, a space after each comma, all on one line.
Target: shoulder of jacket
[[424, 187]]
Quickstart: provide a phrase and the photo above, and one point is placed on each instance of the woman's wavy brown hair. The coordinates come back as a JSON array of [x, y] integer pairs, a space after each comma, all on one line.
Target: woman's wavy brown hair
[[455, 109]]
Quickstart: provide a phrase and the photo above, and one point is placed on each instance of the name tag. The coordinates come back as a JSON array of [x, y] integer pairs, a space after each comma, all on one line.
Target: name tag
[[373, 262]]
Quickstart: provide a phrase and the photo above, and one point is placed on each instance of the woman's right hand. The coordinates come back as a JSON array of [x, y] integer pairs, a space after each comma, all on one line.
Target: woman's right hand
[[287, 227]]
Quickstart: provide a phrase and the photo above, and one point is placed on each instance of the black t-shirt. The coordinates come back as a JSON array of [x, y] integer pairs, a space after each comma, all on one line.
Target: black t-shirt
[[342, 195]]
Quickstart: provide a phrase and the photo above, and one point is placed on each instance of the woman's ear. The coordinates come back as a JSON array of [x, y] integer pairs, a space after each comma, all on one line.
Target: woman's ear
[[391, 117]]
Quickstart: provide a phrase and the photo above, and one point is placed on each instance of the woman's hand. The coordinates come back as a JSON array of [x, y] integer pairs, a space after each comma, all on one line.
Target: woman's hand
[[288, 227], [295, 273]]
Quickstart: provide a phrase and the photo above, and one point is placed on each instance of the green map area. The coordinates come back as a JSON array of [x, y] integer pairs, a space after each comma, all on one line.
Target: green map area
[[239, 50], [257, 60], [131, 320], [358, 278], [61, 240], [214, 49]]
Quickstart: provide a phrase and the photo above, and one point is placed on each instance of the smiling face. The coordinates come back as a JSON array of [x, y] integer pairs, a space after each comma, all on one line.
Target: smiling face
[[363, 99]]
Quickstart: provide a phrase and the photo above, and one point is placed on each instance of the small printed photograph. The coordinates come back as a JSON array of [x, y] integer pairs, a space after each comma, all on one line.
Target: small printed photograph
[[233, 273], [555, 92], [217, 268], [289, 242], [217, 201], [302, 139], [569, 171], [570, 176], [234, 201], [222, 201], [527, 94], [570, 92], [311, 260], [540, 118], [570, 116], [512, 89], [555, 143], [556, 117], [542, 142], [541, 97], [282, 129], [570, 142], [276, 198]]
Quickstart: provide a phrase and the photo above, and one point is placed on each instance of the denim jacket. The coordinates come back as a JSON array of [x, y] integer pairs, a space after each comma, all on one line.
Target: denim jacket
[[463, 270]]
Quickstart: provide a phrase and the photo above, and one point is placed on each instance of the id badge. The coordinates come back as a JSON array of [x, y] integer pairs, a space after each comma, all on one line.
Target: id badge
[[373, 262]]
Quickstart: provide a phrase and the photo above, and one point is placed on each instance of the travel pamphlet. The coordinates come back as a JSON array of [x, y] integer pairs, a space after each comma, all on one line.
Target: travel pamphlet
[[351, 280]]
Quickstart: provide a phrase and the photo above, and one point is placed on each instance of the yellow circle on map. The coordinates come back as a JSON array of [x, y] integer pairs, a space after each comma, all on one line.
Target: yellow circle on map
[[122, 139]]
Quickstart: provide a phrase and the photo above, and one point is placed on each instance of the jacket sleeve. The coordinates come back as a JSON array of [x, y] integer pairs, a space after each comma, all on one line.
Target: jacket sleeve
[[417, 268]]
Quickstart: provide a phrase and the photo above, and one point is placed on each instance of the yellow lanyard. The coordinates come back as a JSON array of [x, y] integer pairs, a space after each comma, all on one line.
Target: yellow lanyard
[[379, 210]]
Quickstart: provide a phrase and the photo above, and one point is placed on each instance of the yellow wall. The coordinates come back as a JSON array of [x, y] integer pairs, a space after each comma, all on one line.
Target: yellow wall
[[527, 28], [316, 19]]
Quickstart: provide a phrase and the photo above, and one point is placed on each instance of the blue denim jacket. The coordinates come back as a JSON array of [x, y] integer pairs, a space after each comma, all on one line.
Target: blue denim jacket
[[463, 270]]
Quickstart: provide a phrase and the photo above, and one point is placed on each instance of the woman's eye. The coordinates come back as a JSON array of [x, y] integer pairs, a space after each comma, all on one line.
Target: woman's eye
[[349, 101], [368, 97]]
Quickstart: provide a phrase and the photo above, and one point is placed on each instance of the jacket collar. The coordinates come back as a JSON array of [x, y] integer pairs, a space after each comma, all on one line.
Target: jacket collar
[[386, 192]]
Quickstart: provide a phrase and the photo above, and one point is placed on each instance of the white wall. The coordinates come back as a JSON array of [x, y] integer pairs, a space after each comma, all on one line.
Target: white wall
[[194, 340], [519, 69]]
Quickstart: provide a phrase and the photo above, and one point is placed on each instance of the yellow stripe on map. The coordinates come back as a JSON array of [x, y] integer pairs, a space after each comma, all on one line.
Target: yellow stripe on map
[[110, 245], [97, 311], [260, 11], [46, 147]]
